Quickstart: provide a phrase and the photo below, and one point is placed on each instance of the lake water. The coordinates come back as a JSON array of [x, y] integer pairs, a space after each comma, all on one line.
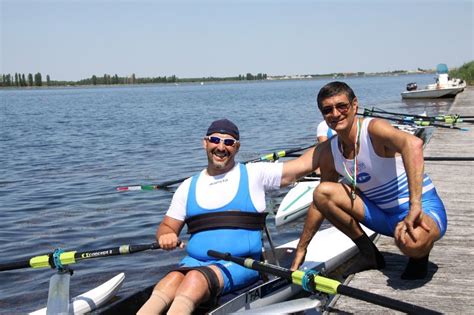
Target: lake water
[[63, 152]]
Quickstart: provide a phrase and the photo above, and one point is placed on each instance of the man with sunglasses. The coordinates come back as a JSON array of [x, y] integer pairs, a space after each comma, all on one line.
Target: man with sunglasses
[[384, 187], [223, 208]]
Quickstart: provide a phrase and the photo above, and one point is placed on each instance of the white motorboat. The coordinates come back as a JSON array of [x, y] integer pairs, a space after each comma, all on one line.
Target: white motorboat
[[444, 86]]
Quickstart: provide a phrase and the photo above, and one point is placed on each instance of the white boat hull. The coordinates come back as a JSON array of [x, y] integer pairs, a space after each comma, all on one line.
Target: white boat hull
[[296, 202], [432, 93]]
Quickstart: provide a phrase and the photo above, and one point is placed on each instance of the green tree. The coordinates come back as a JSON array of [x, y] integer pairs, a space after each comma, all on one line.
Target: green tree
[[48, 80], [94, 80], [23, 80], [38, 80], [30, 79], [17, 82], [8, 80]]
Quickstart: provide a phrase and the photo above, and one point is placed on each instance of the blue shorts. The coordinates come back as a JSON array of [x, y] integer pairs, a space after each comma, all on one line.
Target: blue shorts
[[384, 221], [235, 276]]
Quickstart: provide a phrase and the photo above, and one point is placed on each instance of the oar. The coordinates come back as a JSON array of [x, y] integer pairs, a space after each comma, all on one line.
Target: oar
[[268, 157], [418, 122], [449, 158], [450, 118], [59, 258], [426, 158], [313, 282]]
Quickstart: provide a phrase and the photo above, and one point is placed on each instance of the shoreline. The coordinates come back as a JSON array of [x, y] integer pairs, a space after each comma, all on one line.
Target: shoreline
[[203, 82]]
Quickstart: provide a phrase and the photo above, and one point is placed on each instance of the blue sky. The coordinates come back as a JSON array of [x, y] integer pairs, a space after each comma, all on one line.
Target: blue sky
[[71, 39]]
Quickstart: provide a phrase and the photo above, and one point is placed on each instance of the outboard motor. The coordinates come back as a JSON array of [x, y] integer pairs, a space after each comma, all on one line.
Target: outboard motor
[[412, 86]]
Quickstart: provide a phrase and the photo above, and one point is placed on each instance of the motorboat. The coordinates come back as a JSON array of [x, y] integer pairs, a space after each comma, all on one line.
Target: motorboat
[[444, 86]]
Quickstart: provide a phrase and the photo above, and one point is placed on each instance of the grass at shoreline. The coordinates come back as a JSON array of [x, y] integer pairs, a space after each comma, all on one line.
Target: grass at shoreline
[[465, 72]]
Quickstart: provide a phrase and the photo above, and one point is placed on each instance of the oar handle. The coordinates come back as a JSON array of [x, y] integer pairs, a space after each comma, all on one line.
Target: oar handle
[[384, 301], [252, 264], [15, 265]]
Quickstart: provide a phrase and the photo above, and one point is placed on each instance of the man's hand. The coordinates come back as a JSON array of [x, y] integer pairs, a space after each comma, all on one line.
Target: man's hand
[[299, 259], [169, 241], [406, 228]]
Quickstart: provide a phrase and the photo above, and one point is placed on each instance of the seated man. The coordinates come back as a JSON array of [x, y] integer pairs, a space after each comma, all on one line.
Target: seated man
[[221, 206]]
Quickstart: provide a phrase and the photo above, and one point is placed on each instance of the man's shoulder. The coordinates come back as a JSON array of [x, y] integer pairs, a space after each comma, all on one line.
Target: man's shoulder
[[259, 168]]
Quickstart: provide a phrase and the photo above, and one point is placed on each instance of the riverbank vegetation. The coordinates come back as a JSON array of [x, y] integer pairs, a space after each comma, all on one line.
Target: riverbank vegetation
[[20, 80], [30, 80], [465, 72]]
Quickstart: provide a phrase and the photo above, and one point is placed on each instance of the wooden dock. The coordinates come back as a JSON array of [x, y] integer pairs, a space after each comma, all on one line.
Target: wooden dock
[[449, 287]]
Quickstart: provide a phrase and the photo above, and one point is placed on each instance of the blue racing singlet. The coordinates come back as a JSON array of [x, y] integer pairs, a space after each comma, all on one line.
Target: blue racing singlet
[[238, 242]]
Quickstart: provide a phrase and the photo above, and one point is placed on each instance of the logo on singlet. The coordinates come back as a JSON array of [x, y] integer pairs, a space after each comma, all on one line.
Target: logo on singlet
[[219, 181], [363, 178]]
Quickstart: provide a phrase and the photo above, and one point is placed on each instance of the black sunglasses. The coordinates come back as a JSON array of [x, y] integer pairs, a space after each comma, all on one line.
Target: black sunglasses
[[229, 142], [340, 107]]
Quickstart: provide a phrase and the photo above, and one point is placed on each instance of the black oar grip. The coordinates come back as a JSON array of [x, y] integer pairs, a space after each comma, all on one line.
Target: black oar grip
[[384, 301], [15, 265], [224, 256]]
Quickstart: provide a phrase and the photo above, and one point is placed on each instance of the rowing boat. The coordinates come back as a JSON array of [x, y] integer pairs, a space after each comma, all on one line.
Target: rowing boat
[[328, 250], [92, 299], [296, 202]]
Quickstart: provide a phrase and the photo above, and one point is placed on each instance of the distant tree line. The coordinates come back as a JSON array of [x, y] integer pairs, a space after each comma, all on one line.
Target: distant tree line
[[30, 80], [20, 80]]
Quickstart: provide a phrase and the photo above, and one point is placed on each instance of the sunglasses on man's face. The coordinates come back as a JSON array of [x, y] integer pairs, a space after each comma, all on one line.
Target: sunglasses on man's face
[[340, 107], [229, 142]]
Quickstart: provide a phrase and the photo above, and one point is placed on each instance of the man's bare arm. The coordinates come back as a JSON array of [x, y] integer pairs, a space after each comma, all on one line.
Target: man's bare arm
[[411, 150], [168, 232], [312, 223]]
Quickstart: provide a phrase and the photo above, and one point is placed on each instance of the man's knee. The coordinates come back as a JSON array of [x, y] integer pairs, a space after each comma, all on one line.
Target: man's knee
[[197, 277], [417, 249], [322, 194]]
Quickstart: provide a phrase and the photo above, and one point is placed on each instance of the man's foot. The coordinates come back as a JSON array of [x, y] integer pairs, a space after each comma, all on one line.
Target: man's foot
[[417, 268], [363, 263], [368, 258]]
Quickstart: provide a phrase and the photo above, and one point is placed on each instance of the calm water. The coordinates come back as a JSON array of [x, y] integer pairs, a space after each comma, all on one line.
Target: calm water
[[63, 152]]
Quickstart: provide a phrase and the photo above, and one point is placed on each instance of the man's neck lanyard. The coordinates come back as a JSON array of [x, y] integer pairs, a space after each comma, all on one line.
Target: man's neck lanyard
[[353, 178]]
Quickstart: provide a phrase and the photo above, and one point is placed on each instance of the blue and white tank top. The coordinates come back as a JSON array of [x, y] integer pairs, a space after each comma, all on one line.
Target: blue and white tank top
[[382, 180], [238, 242]]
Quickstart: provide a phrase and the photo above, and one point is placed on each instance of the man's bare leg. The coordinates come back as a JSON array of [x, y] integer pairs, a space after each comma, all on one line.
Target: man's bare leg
[[418, 251], [162, 294], [193, 290], [334, 201]]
